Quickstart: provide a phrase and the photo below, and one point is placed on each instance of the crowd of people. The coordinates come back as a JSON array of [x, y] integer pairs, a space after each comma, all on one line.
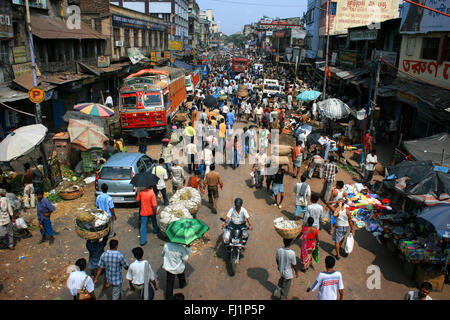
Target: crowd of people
[[210, 138]]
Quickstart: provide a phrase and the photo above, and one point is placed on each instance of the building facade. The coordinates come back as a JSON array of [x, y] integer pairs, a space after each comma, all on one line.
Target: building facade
[[194, 25]]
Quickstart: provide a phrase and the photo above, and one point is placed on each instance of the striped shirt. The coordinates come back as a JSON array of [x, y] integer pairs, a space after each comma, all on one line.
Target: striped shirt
[[113, 261], [329, 171]]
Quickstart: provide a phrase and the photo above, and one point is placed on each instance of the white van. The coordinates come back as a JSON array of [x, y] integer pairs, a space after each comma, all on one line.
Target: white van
[[271, 86]]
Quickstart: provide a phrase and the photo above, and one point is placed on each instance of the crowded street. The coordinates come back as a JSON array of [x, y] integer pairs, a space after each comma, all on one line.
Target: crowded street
[[226, 169]]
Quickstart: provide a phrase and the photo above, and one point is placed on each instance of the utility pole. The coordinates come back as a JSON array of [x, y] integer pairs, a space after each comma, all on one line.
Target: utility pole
[[326, 58], [374, 101], [38, 113]]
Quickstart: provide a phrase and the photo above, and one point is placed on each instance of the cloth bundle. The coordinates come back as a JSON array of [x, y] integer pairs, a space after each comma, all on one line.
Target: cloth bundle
[[171, 213], [189, 198]]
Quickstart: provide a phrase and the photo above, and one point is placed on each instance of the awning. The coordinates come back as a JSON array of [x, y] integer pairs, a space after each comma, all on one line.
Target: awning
[[436, 99], [347, 74], [99, 71], [9, 95], [63, 77], [46, 27]]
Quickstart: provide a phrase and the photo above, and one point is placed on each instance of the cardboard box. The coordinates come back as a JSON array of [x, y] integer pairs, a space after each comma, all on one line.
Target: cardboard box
[[435, 276]]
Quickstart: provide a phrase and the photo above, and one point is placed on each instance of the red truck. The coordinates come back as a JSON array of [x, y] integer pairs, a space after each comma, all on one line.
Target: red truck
[[239, 64], [150, 98]]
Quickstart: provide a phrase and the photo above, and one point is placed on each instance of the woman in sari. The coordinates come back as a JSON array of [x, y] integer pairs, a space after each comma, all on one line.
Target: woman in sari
[[310, 241]]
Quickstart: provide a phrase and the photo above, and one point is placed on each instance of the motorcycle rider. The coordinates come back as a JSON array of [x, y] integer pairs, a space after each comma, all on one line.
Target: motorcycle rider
[[239, 216]]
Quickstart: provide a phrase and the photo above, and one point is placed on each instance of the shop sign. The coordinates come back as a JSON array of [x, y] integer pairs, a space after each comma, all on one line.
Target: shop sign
[[19, 54], [166, 54], [103, 61], [36, 95], [279, 34], [406, 97], [358, 35], [389, 56], [24, 68], [6, 26], [49, 95], [269, 33], [348, 58], [40, 4], [153, 56], [176, 45], [125, 22]]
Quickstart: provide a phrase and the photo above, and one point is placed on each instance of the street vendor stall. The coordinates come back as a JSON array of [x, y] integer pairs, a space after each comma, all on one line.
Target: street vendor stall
[[406, 227]]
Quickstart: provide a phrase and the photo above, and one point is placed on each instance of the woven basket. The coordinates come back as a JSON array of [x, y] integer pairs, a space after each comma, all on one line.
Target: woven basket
[[89, 235], [289, 233], [71, 194]]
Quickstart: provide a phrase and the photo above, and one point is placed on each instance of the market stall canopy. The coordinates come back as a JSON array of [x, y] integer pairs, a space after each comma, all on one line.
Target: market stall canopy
[[82, 116], [21, 141], [308, 95], [46, 27], [419, 181], [439, 217], [334, 108], [86, 134], [435, 148], [94, 109]]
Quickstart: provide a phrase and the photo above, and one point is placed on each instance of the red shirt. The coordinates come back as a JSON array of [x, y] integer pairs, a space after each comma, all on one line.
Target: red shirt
[[194, 182], [148, 201]]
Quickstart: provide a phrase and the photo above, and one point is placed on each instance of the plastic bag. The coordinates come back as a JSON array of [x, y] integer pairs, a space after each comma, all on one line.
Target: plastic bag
[[349, 244], [315, 255], [21, 224]]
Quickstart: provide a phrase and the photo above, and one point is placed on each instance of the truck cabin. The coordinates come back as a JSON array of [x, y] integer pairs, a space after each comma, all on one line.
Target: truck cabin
[[143, 96]]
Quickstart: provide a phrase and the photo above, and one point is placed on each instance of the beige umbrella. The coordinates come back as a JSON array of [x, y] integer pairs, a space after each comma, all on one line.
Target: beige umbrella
[[85, 134]]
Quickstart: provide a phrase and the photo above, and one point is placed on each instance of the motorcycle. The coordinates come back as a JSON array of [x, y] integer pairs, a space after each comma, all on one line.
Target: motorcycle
[[234, 246]]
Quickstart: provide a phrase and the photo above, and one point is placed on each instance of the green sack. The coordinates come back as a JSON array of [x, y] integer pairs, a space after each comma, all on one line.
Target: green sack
[[315, 255]]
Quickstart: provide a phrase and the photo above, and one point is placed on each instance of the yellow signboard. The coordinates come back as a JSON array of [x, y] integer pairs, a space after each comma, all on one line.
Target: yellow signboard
[[176, 45], [166, 54], [36, 95], [153, 56]]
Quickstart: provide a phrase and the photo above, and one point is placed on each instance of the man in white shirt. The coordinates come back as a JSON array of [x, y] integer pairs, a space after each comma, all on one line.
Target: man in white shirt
[[136, 276], [225, 109], [109, 101], [79, 278], [286, 262], [259, 113], [191, 151], [175, 256], [315, 211], [161, 173], [371, 162], [258, 168], [6, 218], [236, 219], [329, 282]]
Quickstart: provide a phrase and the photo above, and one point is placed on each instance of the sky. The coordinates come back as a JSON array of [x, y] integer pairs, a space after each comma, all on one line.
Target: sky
[[234, 14]]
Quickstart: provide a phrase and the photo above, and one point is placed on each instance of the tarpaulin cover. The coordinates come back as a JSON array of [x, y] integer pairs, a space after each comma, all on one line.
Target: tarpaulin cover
[[183, 65], [430, 148], [422, 180]]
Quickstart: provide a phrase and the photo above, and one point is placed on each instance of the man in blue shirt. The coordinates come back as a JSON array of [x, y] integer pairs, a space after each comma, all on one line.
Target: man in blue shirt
[[44, 209], [104, 202], [230, 119]]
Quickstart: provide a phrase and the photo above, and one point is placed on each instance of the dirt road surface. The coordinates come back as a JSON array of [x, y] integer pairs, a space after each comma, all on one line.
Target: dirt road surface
[[41, 274]]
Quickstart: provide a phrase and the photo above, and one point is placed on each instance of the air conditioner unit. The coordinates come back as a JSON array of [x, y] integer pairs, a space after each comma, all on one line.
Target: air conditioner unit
[[119, 44]]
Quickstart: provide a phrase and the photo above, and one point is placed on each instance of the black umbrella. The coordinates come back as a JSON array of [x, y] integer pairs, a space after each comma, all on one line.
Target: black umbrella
[[210, 102], [139, 133], [144, 180], [313, 138]]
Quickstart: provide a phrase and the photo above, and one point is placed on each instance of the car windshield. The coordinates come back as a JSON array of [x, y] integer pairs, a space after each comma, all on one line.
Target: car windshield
[[152, 99], [188, 82], [115, 173]]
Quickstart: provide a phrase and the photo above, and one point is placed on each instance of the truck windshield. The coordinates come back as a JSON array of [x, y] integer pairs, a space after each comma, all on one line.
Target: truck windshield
[[129, 100], [188, 82], [271, 87], [152, 99]]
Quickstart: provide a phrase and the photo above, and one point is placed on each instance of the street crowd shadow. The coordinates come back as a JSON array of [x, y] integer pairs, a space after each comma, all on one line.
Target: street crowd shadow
[[221, 252], [327, 247], [134, 220], [389, 263], [288, 214], [262, 276], [161, 278]]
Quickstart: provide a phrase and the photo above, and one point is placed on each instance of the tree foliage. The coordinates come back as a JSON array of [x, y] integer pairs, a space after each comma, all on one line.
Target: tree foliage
[[238, 39]]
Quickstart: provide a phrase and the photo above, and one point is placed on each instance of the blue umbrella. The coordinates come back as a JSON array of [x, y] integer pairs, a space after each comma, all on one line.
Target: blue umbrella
[[439, 217], [309, 95]]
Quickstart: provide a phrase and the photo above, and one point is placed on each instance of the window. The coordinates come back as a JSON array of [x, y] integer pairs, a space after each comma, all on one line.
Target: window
[[127, 37], [447, 50], [115, 173], [98, 25], [430, 48], [116, 32], [152, 99], [140, 166], [410, 46], [149, 162], [129, 101], [136, 38]]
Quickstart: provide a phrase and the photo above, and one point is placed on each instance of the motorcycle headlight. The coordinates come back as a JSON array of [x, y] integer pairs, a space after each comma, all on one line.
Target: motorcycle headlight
[[235, 240]]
